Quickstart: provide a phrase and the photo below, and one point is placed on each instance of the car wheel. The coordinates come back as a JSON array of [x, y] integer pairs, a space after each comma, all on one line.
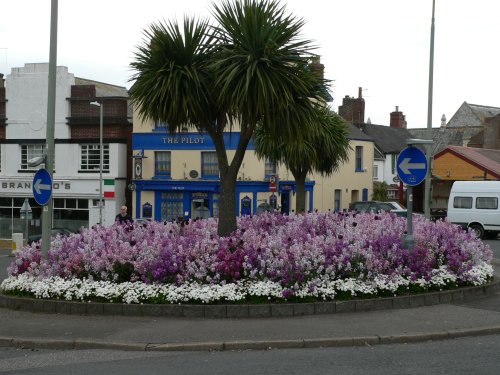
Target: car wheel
[[478, 230]]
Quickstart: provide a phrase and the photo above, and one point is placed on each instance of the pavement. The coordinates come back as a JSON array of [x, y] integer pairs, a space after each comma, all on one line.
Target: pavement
[[420, 324]]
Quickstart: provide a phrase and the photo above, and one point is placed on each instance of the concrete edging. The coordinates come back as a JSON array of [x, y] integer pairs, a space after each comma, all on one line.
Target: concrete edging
[[248, 310], [81, 344]]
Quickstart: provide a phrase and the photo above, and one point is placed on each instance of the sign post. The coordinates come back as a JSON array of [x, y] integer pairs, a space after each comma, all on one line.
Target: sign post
[[26, 213], [412, 169]]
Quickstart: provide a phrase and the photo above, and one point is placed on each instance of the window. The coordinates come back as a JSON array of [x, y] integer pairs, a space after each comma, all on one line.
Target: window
[[359, 158], [270, 169], [162, 163], [29, 152], [90, 157], [375, 172], [393, 164], [172, 205], [161, 126], [336, 199], [486, 203], [209, 165], [462, 202]]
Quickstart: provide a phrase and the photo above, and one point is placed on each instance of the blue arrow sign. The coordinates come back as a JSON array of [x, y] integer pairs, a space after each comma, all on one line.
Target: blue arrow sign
[[42, 186], [412, 166]]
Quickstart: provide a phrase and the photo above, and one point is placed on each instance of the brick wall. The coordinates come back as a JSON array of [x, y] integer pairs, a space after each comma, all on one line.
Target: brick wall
[[113, 131]]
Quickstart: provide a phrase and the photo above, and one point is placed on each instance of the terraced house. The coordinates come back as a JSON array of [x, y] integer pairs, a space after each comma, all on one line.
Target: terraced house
[[177, 176]]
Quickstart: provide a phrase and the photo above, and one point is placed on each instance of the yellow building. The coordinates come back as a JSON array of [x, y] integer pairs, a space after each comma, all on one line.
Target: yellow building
[[177, 176]]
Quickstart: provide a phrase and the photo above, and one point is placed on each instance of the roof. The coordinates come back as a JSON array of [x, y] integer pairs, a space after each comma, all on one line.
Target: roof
[[472, 115], [103, 89], [356, 134], [388, 140], [484, 158], [441, 137]]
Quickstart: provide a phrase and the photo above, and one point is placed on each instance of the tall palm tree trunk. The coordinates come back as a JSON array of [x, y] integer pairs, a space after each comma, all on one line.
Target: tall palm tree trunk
[[300, 192], [227, 204]]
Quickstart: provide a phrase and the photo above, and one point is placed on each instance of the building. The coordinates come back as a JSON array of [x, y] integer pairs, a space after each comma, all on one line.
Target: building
[[177, 176], [76, 178], [389, 142], [458, 163]]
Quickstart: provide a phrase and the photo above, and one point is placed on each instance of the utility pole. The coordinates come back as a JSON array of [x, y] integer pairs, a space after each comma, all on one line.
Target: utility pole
[[51, 114], [428, 149]]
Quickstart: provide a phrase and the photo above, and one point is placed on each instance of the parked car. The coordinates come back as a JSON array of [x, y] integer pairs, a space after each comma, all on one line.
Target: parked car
[[377, 206], [54, 233]]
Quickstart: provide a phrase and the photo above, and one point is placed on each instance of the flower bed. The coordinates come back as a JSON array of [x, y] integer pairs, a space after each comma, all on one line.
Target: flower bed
[[318, 256]]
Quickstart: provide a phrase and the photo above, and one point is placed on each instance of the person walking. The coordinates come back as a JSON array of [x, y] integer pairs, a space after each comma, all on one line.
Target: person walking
[[123, 216]]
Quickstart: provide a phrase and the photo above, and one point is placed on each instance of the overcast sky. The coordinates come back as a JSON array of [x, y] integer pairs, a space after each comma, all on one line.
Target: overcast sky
[[382, 46]]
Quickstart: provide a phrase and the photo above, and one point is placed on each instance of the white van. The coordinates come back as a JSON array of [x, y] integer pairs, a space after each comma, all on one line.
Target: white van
[[474, 204]]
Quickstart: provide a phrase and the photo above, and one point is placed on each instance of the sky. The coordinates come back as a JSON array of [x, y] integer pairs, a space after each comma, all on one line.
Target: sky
[[382, 46]]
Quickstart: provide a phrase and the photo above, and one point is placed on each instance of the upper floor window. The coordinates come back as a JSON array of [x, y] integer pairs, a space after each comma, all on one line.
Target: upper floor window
[[163, 163], [375, 172], [161, 126], [209, 165], [359, 158], [91, 157], [270, 169], [29, 152]]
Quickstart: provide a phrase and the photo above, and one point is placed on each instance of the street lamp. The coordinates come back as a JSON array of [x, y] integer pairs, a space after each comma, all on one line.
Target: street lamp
[[101, 118]]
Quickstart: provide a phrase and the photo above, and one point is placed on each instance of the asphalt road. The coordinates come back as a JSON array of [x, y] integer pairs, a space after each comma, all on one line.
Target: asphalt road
[[470, 355]]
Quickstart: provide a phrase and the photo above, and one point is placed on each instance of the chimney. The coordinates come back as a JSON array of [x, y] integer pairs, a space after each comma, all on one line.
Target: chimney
[[398, 119], [353, 109]]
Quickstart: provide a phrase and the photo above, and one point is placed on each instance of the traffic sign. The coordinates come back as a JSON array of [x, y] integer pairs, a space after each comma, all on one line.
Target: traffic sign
[[412, 166], [42, 186]]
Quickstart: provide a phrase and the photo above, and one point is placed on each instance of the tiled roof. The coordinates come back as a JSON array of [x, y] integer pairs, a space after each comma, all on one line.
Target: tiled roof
[[388, 140], [485, 158], [471, 115], [441, 137], [356, 134]]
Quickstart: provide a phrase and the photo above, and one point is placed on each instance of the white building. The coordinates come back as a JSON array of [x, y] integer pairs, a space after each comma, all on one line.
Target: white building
[[76, 175]]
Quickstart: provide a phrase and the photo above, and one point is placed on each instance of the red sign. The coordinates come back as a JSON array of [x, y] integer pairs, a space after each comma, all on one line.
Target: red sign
[[272, 186]]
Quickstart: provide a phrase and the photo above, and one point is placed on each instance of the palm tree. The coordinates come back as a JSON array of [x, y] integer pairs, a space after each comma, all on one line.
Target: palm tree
[[247, 69], [380, 191], [321, 150]]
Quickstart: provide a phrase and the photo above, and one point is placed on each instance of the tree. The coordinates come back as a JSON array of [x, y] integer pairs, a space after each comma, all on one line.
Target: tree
[[248, 68], [380, 191], [322, 149]]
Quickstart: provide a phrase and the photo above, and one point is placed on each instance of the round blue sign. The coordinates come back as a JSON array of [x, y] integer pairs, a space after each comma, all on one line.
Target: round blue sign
[[42, 186], [412, 166]]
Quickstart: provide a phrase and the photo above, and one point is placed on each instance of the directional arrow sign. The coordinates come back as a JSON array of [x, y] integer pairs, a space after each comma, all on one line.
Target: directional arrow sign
[[412, 166], [42, 186]]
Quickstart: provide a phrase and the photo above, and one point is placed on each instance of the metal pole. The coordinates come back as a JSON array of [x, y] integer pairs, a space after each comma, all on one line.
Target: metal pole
[[428, 149], [51, 114], [101, 120], [409, 241], [26, 218]]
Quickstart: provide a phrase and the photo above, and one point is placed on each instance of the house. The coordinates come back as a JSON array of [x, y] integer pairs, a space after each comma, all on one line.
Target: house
[[76, 178], [177, 176], [389, 141]]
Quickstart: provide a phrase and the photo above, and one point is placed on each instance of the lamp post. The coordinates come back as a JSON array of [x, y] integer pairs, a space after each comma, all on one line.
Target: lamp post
[[428, 151], [101, 120]]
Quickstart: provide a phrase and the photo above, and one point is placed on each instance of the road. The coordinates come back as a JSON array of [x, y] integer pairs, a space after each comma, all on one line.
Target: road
[[472, 355]]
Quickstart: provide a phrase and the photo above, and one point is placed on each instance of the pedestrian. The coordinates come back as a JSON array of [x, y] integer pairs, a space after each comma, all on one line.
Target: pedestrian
[[123, 216]]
